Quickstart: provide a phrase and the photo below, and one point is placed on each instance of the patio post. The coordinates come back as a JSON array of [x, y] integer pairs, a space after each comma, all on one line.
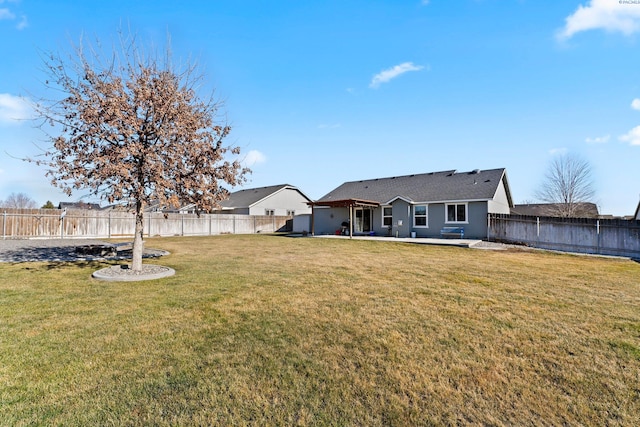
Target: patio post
[[351, 221], [313, 222]]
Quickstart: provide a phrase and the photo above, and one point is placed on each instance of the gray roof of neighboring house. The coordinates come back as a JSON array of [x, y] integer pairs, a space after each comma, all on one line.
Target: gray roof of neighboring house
[[426, 187], [251, 196], [583, 209], [79, 205]]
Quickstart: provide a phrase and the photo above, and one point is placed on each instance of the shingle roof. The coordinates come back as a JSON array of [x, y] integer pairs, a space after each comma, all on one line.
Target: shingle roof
[[583, 210], [79, 205], [250, 196], [427, 187]]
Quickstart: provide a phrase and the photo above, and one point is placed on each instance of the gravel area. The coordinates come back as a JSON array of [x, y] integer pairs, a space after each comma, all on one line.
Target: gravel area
[[496, 246], [122, 273], [57, 250]]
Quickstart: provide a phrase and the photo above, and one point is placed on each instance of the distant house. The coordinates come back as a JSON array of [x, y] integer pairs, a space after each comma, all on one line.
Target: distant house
[[420, 205], [636, 216], [79, 205], [284, 199], [582, 210]]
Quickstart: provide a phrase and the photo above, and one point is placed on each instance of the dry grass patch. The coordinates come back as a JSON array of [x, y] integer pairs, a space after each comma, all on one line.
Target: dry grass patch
[[270, 330]]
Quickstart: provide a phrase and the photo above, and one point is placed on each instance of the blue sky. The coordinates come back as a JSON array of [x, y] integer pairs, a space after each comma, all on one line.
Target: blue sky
[[322, 92]]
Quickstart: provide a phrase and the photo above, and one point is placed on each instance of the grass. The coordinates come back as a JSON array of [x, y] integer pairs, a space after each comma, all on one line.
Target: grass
[[267, 330]]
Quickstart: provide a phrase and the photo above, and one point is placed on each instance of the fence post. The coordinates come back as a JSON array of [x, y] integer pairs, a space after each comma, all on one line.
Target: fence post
[[488, 227], [182, 224], [598, 236], [4, 225]]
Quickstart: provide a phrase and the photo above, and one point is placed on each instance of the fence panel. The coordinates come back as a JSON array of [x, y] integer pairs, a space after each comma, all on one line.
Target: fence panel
[[54, 223], [584, 235]]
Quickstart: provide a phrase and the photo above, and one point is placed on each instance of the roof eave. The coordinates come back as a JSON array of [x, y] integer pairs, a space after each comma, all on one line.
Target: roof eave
[[345, 203]]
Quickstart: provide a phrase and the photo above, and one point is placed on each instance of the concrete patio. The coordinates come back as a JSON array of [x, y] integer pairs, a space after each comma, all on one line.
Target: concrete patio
[[465, 243]]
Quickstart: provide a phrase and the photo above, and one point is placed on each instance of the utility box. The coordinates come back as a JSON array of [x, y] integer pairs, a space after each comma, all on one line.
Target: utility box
[[302, 223]]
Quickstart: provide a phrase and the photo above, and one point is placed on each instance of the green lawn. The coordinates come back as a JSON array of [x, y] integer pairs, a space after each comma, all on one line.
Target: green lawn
[[268, 330]]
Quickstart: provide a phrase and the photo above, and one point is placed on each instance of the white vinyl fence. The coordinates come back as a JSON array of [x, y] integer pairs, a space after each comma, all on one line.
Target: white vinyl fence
[[54, 223]]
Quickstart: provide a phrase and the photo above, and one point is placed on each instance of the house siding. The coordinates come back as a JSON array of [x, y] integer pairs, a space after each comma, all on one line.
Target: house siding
[[329, 220], [235, 211], [401, 212], [474, 228], [500, 202], [282, 202], [477, 227]]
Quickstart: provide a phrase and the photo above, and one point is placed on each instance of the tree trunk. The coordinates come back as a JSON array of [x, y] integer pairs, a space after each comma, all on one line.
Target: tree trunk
[[138, 241]]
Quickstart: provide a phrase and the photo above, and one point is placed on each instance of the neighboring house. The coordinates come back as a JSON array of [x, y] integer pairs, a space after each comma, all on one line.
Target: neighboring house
[[582, 210], [422, 204], [285, 200], [636, 216], [79, 205]]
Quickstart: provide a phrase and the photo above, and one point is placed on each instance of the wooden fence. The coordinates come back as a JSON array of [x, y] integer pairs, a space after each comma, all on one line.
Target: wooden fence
[[583, 235], [54, 223]]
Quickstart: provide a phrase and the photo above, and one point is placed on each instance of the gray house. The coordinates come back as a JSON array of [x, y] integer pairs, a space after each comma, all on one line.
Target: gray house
[[285, 200], [421, 205]]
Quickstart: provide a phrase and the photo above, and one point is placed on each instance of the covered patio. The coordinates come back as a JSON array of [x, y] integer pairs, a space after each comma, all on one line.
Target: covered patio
[[350, 204]]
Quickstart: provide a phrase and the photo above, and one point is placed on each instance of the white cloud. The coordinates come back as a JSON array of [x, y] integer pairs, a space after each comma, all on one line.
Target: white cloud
[[253, 158], [6, 14], [23, 23], [558, 151], [632, 137], [13, 109], [393, 72], [635, 104], [598, 139], [609, 15]]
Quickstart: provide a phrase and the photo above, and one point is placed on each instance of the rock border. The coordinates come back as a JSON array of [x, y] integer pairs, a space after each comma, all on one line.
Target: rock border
[[123, 273]]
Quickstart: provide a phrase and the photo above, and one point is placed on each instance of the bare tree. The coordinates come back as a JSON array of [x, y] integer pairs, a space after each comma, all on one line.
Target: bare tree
[[567, 185], [131, 127], [18, 201]]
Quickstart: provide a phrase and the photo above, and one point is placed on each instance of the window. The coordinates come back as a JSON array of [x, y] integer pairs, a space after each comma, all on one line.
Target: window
[[269, 212], [420, 216], [387, 216], [457, 212]]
